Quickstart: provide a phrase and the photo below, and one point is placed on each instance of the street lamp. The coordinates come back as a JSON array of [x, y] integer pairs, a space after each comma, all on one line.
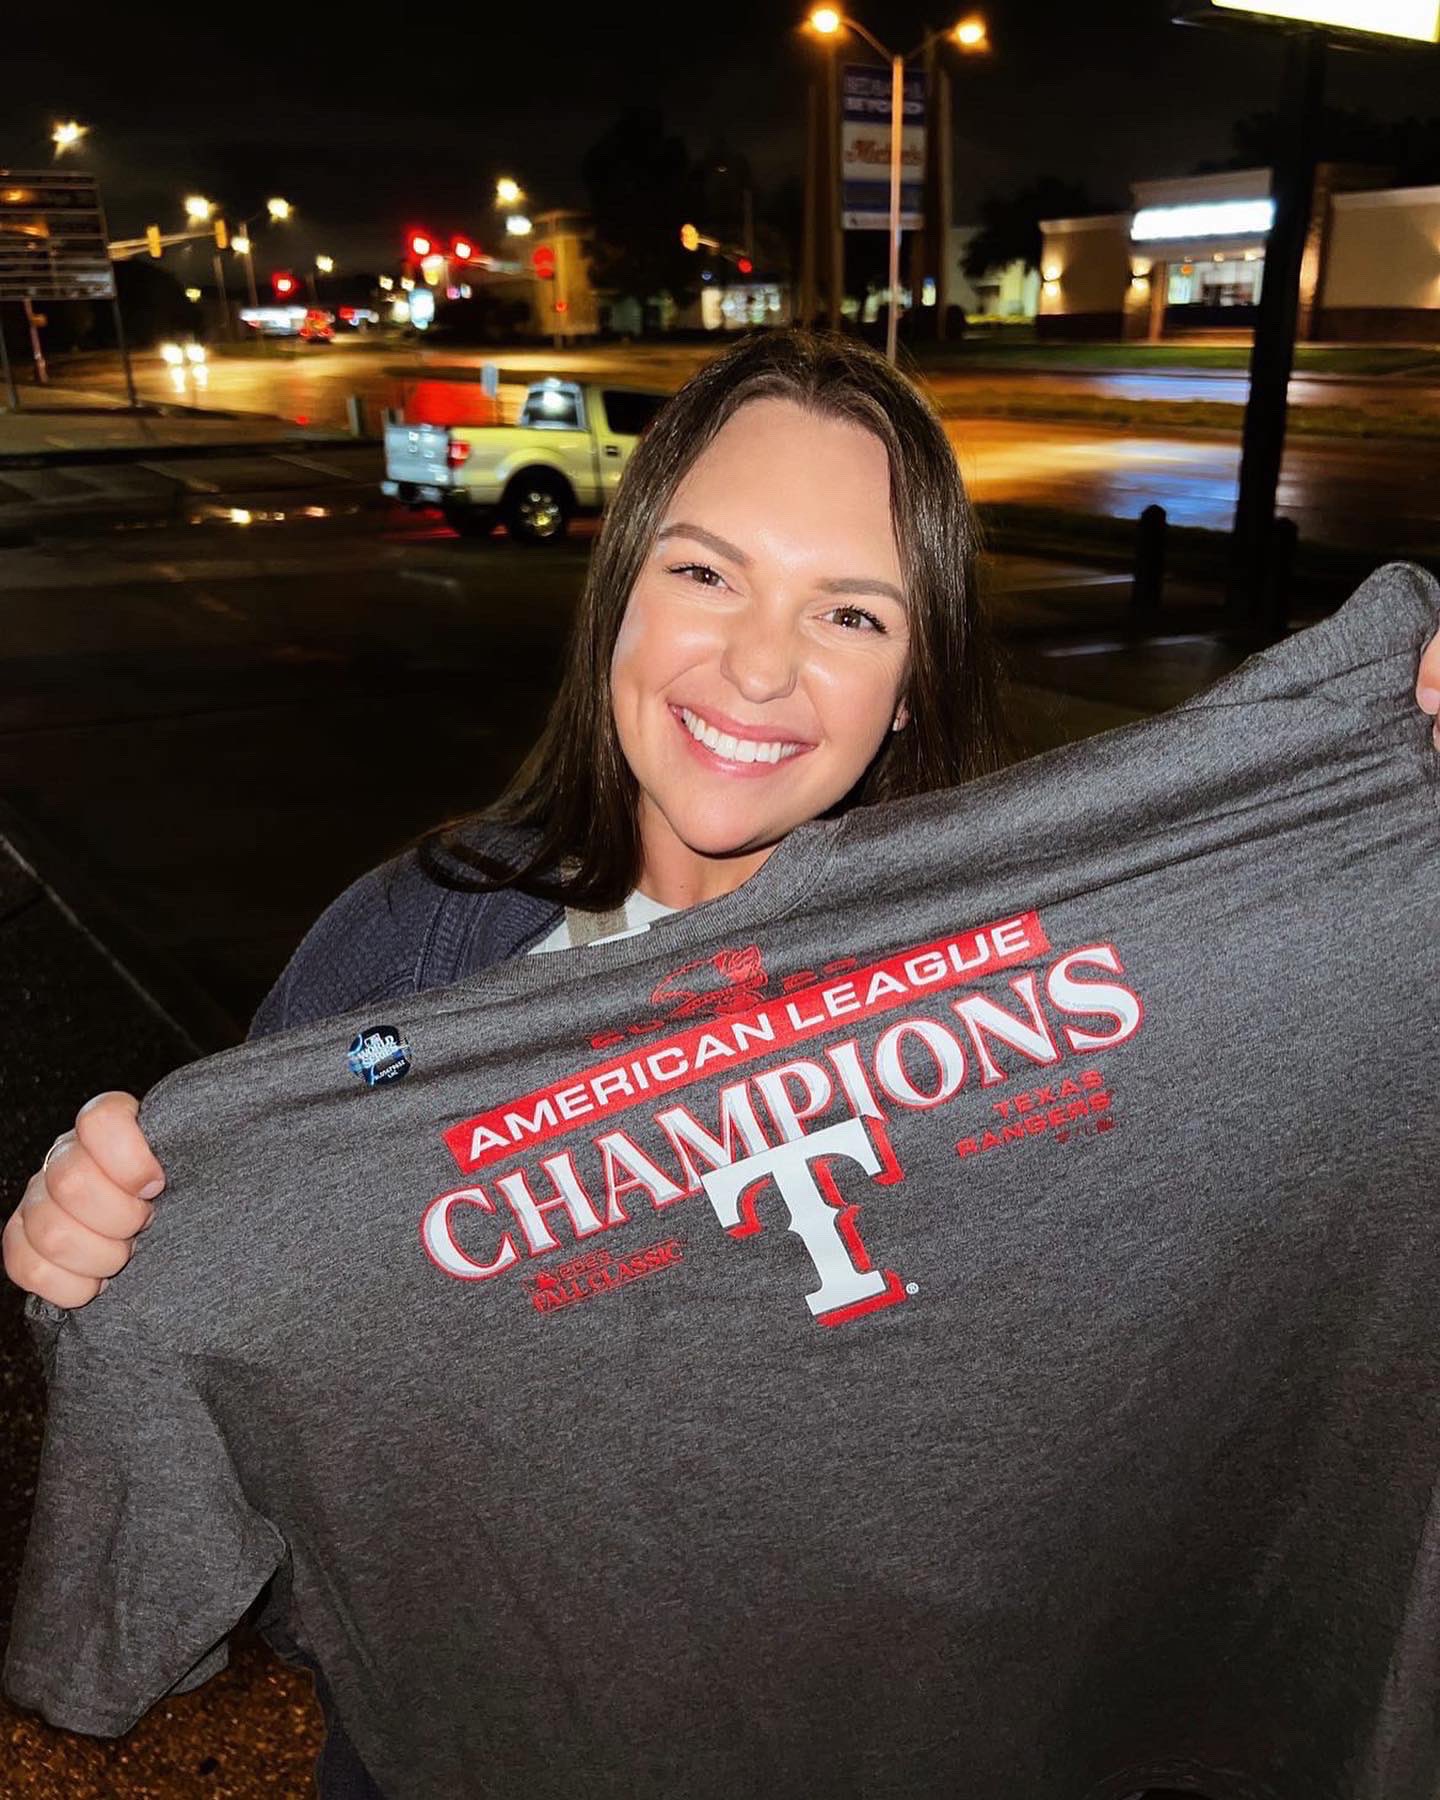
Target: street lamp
[[971, 35], [198, 209], [517, 225], [279, 210], [507, 192], [67, 135], [325, 264]]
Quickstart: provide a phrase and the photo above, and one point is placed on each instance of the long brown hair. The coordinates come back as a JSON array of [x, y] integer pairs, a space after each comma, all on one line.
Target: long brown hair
[[575, 791]]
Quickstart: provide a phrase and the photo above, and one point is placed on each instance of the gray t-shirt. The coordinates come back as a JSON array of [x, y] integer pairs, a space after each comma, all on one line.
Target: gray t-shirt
[[954, 1317]]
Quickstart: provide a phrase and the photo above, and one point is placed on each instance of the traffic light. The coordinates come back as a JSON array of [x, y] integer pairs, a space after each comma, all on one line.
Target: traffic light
[[420, 245], [745, 266], [689, 238], [462, 249], [222, 235], [283, 282], [152, 240], [542, 261]]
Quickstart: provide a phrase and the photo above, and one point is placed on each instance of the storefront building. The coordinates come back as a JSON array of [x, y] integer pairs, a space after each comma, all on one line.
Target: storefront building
[[1190, 260]]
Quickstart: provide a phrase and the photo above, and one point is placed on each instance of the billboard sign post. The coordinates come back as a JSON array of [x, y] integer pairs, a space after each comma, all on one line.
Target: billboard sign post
[[1258, 555], [54, 245]]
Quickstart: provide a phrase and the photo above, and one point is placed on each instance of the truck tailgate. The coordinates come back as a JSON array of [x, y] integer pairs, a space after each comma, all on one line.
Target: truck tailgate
[[418, 453]]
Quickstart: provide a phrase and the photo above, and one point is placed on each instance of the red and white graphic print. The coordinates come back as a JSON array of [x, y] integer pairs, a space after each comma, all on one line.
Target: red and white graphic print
[[800, 1139]]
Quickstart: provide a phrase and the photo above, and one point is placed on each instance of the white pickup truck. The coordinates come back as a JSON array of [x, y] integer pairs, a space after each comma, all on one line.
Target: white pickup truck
[[563, 457]]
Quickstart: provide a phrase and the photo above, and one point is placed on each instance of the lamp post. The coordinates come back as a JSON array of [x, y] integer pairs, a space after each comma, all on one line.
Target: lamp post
[[244, 245], [969, 35]]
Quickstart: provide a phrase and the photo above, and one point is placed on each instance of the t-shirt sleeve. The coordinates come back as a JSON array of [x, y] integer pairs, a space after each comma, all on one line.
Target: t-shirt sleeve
[[143, 1551]]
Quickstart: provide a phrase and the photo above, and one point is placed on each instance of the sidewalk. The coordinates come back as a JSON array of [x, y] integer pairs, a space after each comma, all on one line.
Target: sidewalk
[[58, 426]]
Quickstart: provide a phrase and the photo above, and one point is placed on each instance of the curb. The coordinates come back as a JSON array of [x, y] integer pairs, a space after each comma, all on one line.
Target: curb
[[123, 453]]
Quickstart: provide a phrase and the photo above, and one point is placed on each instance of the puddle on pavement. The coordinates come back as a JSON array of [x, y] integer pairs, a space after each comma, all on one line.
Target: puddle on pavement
[[244, 516]]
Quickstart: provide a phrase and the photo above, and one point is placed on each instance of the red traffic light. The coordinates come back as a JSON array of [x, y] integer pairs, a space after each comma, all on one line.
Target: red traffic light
[[745, 266], [420, 245], [283, 284], [542, 261], [462, 249]]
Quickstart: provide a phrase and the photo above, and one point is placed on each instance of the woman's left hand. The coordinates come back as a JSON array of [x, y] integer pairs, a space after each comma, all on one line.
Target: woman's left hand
[[1427, 685]]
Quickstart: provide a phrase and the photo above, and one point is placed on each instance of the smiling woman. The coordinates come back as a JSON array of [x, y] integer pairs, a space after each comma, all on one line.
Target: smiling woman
[[780, 621]]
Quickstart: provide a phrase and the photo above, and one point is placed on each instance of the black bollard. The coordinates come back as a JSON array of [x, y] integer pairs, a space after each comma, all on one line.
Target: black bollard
[[1279, 573], [1149, 585]]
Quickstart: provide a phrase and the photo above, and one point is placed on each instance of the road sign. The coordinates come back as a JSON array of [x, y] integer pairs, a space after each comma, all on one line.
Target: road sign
[[1417, 19], [52, 237], [865, 149]]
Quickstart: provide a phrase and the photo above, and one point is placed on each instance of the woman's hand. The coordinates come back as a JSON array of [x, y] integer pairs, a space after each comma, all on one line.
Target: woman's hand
[[1427, 685], [79, 1216]]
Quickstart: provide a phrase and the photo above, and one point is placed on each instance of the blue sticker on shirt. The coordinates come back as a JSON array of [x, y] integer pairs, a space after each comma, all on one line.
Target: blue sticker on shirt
[[379, 1054]]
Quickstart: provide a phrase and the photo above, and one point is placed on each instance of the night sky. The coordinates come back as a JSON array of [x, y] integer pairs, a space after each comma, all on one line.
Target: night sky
[[371, 130]]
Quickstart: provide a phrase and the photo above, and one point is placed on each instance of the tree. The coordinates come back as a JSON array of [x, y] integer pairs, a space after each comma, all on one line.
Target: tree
[[1407, 151], [643, 187], [1010, 224]]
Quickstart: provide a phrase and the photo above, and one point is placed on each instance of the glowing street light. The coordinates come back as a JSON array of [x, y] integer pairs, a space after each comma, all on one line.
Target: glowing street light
[[240, 244], [969, 34], [325, 264], [517, 225], [67, 135], [198, 209], [507, 192], [279, 210]]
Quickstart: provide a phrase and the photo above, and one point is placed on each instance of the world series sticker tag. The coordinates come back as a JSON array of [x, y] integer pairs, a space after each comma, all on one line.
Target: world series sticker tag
[[379, 1054]]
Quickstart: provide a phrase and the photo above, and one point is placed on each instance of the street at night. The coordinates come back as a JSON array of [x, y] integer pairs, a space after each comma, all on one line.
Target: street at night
[[940, 1101]]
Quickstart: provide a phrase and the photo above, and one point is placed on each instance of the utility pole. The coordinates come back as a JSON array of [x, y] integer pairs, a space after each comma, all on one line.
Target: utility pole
[[1272, 355], [944, 197], [807, 242], [835, 198]]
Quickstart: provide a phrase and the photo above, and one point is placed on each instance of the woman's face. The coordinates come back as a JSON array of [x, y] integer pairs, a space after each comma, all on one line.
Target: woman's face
[[760, 660]]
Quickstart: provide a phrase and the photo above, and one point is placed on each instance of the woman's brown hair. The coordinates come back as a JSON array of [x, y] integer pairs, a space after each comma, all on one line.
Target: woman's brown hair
[[575, 792]]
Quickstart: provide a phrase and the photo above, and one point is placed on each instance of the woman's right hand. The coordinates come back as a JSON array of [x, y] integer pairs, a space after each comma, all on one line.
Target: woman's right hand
[[80, 1213]]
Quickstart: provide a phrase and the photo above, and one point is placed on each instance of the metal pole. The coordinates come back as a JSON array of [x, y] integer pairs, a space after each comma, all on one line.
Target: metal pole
[[6, 370], [944, 199], [834, 182], [250, 277], [224, 297], [1273, 353], [42, 374], [807, 242], [897, 126], [124, 350]]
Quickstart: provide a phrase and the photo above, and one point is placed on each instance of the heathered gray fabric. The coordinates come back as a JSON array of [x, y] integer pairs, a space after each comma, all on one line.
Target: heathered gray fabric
[[1130, 1482]]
